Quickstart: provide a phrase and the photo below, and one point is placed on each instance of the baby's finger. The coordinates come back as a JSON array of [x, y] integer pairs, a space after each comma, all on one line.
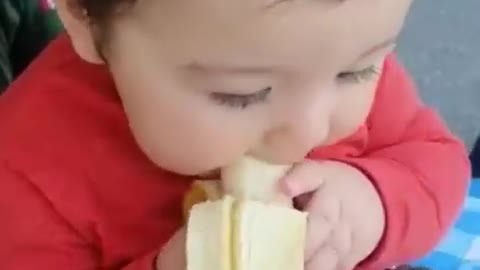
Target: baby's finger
[[324, 203], [322, 211], [318, 232], [325, 259], [350, 265], [172, 256], [303, 178], [338, 237]]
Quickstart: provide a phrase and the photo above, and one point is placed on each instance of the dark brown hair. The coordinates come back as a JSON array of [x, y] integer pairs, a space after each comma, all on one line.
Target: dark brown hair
[[99, 14], [101, 11]]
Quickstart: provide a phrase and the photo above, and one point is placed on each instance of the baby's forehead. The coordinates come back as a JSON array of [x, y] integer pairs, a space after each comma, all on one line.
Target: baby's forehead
[[250, 31], [322, 17], [231, 12]]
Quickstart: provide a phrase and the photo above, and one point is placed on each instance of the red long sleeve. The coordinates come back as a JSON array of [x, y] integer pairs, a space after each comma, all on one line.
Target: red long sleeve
[[76, 192], [33, 235], [419, 168]]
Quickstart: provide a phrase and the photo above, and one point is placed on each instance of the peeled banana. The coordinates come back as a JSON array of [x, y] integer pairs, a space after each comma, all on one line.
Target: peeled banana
[[201, 191], [243, 222], [253, 179]]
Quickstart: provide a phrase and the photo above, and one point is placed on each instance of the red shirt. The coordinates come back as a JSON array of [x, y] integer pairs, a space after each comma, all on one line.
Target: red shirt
[[76, 192]]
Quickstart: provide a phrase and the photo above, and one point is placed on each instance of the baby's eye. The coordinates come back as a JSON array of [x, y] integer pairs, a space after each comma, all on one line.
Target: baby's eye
[[358, 76], [241, 101]]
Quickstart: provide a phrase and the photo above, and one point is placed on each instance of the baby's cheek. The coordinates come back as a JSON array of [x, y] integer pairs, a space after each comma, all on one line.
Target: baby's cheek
[[199, 150], [351, 111], [200, 145]]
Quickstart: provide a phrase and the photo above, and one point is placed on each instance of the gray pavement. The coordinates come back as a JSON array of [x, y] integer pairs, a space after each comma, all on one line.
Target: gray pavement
[[441, 48]]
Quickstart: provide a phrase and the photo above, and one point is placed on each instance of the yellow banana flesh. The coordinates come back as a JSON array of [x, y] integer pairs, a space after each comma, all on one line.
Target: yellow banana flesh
[[243, 222]]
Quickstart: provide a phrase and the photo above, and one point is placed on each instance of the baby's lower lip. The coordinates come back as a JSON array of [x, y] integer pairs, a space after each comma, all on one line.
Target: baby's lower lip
[[213, 174]]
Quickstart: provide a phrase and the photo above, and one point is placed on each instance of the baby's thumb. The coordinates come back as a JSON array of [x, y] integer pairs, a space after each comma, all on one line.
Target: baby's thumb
[[172, 256], [303, 178]]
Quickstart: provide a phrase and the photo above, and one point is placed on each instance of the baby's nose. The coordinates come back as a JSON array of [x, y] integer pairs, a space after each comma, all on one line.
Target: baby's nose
[[302, 129]]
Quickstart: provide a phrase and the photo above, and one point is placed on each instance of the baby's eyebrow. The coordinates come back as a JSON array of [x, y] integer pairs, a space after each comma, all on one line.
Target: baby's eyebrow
[[228, 69], [380, 46], [275, 3]]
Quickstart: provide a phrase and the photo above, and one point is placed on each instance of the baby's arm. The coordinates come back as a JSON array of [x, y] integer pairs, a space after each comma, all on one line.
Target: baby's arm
[[420, 170], [33, 235]]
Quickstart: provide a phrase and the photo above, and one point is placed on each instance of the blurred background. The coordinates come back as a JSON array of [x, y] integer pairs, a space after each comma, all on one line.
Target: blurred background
[[441, 48]]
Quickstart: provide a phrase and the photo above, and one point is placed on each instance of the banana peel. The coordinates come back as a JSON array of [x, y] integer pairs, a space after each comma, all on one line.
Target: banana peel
[[201, 191], [231, 234]]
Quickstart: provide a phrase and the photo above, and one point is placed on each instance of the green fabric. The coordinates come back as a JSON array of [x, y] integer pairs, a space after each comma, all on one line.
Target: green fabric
[[25, 29]]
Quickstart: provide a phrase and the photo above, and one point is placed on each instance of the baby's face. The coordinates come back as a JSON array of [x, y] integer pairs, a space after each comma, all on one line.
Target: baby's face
[[204, 82]]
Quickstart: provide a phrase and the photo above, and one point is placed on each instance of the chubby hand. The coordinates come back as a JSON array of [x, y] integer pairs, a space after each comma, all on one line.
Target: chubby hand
[[346, 216], [172, 256]]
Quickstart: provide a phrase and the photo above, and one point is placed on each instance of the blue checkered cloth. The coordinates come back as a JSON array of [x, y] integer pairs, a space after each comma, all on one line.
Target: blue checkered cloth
[[460, 249]]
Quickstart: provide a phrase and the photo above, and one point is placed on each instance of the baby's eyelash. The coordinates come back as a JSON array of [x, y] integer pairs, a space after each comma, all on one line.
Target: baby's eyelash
[[365, 74], [241, 101]]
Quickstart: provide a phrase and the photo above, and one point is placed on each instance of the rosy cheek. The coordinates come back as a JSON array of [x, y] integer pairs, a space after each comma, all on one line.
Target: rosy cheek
[[202, 148], [351, 112], [342, 125]]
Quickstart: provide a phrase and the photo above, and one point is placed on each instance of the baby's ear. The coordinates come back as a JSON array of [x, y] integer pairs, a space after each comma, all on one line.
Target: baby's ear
[[78, 27]]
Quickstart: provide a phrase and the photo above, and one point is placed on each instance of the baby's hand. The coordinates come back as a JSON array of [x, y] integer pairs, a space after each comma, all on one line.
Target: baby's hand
[[346, 216], [172, 256]]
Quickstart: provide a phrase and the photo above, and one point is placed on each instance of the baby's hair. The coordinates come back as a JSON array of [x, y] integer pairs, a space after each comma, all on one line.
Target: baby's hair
[[101, 11], [100, 14]]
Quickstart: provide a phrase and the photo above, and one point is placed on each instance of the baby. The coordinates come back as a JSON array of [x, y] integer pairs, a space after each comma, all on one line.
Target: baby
[[103, 134]]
